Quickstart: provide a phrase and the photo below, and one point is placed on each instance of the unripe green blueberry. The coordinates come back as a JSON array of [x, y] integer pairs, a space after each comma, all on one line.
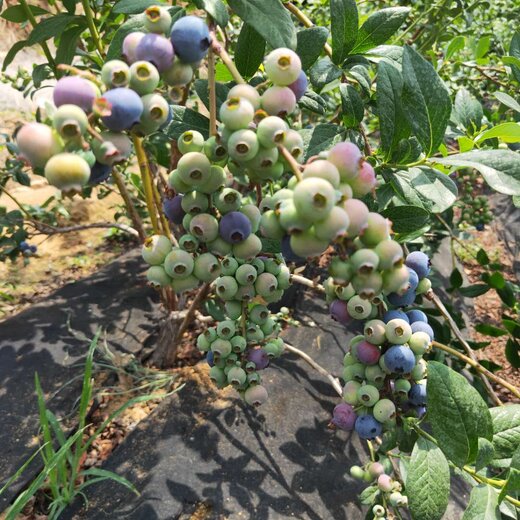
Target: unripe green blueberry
[[254, 333], [216, 181], [282, 66], [202, 343], [248, 248], [272, 350], [210, 334], [419, 370], [180, 285], [194, 168], [226, 329], [270, 226], [379, 511], [246, 274], [156, 112], [341, 271], [237, 376], [253, 214], [155, 249], [190, 141], [424, 286], [221, 346], [226, 287], [420, 343], [243, 145], [144, 77], [205, 227], [350, 392], [397, 500], [218, 376], [359, 308], [227, 200], [195, 202], [284, 278], [314, 198], [219, 247], [229, 266], [375, 469], [176, 183], [333, 226], [280, 196], [256, 395], [67, 171], [294, 144], [206, 267], [398, 331], [178, 74], [239, 344], [290, 219], [278, 101], [375, 375], [345, 292], [233, 309], [346, 192], [157, 276], [265, 284], [70, 121], [271, 131], [365, 261], [368, 285], [323, 170], [374, 331], [259, 314], [377, 230], [179, 263], [214, 150], [247, 92], [390, 254], [402, 387], [115, 74], [306, 244], [357, 472], [188, 243], [268, 327], [394, 279], [357, 212], [384, 410], [236, 113], [253, 378], [368, 395], [157, 19], [355, 372]]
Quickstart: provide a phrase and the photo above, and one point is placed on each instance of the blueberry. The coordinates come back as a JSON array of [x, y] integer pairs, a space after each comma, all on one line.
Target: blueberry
[[420, 411], [67, 171], [367, 427], [234, 227], [344, 416], [399, 359], [130, 44], [480, 226], [70, 121], [416, 315], [417, 395], [288, 253], [390, 254], [259, 357], [367, 353], [256, 395], [74, 90], [413, 279], [278, 101], [210, 358], [173, 209], [158, 19], [144, 77], [37, 143], [126, 109], [23, 246], [246, 92], [420, 326], [347, 159], [299, 86], [365, 182], [357, 212], [155, 249], [282, 66], [156, 49], [402, 300], [398, 331], [190, 38], [338, 312], [99, 173], [419, 262]]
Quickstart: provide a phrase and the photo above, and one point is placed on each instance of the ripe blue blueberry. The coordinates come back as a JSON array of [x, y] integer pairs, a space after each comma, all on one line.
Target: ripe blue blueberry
[[173, 209], [417, 394], [367, 427], [413, 279], [156, 49], [395, 314], [420, 326], [419, 262], [190, 38], [99, 173], [299, 86], [234, 227], [126, 109], [402, 300], [416, 315], [399, 359]]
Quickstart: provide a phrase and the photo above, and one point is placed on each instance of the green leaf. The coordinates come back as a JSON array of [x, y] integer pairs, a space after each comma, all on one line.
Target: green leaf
[[406, 219], [362, 76], [320, 138], [473, 291], [511, 60], [467, 111], [428, 481], [249, 51], [269, 18], [500, 168], [456, 278], [222, 73], [457, 44], [344, 22], [186, 119], [485, 454], [379, 27], [221, 92], [313, 102], [310, 43], [426, 101], [427, 188], [368, 495], [16, 13], [506, 431], [513, 352], [507, 100], [512, 484], [53, 26], [514, 50], [68, 44], [40, 73], [134, 6], [352, 106], [490, 330], [103, 474], [216, 9], [457, 413], [483, 504], [482, 47], [482, 257], [324, 72], [506, 132], [392, 121], [13, 51]]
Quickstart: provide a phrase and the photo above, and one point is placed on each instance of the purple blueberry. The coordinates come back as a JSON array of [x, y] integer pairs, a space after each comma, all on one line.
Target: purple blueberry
[[126, 109], [402, 300], [417, 395], [99, 173], [190, 38], [173, 209], [416, 315], [210, 358], [394, 315], [344, 416], [299, 86], [367, 353], [234, 227], [259, 357], [367, 427], [338, 311], [413, 279], [420, 326], [156, 49], [419, 262], [33, 249], [399, 359], [73, 90]]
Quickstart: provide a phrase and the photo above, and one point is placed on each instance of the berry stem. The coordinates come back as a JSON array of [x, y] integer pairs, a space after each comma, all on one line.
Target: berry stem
[[458, 334], [295, 167], [308, 283], [478, 367], [92, 26], [134, 216], [147, 182], [158, 205], [333, 380], [212, 90], [226, 59], [307, 22]]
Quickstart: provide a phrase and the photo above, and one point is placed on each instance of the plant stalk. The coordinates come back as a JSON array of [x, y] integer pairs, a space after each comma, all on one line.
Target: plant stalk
[[226, 59], [92, 26], [293, 163]]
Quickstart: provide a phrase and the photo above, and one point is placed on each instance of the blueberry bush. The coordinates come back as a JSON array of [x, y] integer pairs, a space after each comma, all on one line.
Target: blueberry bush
[[266, 140]]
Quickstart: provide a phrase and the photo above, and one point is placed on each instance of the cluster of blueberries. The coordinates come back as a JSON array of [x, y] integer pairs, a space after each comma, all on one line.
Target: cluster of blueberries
[[27, 249], [69, 151]]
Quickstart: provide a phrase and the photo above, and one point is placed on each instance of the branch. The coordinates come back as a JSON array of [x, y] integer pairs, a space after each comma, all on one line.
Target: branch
[[333, 380], [212, 92], [458, 334], [308, 283], [217, 48], [47, 229], [293, 163]]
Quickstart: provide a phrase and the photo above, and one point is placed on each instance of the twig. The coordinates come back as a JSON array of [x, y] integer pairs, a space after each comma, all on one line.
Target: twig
[[134, 216], [307, 22], [458, 334], [226, 59], [478, 367], [47, 229], [92, 26], [368, 148], [308, 283], [293, 163], [212, 92], [16, 201], [333, 380]]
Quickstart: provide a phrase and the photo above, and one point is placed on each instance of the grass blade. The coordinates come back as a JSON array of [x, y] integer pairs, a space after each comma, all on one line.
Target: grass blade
[[103, 474]]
